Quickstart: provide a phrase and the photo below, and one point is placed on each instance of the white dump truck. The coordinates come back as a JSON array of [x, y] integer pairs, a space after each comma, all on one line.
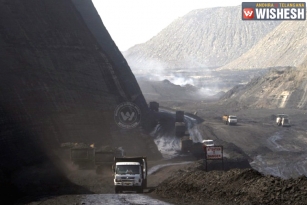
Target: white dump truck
[[130, 174], [230, 119], [283, 120]]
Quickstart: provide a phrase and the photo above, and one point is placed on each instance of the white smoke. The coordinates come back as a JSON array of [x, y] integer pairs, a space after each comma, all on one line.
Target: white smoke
[[180, 80], [206, 91], [168, 146], [155, 70]]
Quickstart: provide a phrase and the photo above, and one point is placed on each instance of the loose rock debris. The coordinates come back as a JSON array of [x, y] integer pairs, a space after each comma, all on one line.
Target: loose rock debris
[[236, 186]]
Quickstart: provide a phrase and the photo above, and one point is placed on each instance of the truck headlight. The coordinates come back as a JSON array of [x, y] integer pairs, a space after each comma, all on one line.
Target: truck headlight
[[117, 180]]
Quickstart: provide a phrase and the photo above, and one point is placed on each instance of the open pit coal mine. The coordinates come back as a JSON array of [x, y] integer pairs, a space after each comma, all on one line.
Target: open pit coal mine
[[62, 77]]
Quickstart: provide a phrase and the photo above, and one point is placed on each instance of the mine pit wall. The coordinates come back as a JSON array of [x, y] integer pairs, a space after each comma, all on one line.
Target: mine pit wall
[[124, 76], [303, 93], [56, 86], [298, 97], [292, 92], [276, 89], [119, 64], [126, 80]]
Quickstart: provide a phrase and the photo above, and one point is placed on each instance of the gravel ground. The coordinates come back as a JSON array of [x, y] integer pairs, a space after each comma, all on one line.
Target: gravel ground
[[193, 185]]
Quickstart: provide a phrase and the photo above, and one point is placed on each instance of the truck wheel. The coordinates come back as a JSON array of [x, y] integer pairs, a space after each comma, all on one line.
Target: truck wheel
[[139, 190], [144, 185], [117, 190]]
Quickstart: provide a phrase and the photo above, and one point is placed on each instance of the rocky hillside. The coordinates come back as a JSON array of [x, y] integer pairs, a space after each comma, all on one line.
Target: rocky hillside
[[59, 83], [208, 37], [286, 45], [280, 88]]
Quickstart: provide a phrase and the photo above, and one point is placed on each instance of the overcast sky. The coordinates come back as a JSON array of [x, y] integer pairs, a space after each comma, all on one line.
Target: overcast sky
[[131, 22]]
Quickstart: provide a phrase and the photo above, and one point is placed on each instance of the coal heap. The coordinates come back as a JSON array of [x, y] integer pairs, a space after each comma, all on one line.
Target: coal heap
[[62, 77]]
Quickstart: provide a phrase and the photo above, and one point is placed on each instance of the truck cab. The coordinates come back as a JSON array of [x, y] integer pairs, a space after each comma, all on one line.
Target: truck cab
[[230, 119], [130, 174], [280, 117], [128, 177]]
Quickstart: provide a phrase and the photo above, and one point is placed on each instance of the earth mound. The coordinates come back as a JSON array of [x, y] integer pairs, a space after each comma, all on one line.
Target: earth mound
[[194, 185]]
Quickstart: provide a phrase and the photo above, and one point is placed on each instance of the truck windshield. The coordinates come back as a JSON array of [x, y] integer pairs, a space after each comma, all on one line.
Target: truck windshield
[[209, 143], [127, 169], [233, 117]]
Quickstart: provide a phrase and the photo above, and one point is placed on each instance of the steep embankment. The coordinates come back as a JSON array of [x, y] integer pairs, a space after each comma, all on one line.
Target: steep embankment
[[208, 37], [58, 84], [286, 45], [279, 88]]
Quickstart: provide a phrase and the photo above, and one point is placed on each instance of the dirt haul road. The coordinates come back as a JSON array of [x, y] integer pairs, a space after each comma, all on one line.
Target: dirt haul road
[[103, 189], [102, 186], [271, 149]]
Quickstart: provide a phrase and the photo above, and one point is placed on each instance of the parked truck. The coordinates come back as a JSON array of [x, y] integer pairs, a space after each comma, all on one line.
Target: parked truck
[[130, 174], [229, 119]]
